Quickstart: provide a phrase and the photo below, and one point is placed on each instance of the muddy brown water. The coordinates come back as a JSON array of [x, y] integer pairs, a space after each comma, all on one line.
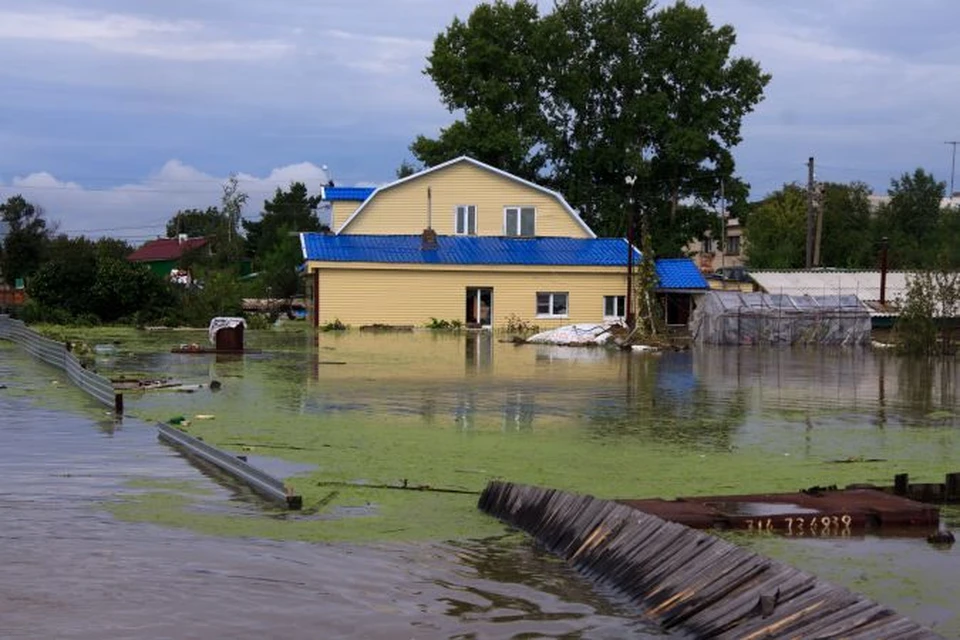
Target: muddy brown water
[[737, 420]]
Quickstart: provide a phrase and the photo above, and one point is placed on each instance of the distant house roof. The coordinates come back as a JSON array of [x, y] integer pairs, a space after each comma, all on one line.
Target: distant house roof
[[680, 273], [673, 274], [165, 249], [346, 194], [476, 163], [863, 284]]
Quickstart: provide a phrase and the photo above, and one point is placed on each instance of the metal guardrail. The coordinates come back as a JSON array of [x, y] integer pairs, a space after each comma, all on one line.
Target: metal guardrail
[[58, 355], [264, 484]]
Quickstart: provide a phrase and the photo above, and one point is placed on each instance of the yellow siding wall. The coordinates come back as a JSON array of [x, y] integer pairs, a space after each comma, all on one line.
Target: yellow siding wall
[[360, 295], [403, 209], [341, 211]]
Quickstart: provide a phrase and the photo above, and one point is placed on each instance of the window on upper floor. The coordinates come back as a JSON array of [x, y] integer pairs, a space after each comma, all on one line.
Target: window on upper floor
[[520, 221], [706, 245], [551, 304], [466, 223]]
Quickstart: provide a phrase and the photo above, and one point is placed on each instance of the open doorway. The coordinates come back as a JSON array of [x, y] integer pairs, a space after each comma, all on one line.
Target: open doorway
[[479, 308]]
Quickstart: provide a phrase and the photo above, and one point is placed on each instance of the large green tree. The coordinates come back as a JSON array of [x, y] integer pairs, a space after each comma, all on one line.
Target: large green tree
[[847, 237], [595, 92], [272, 240], [911, 220], [91, 279], [25, 243], [776, 230], [197, 223]]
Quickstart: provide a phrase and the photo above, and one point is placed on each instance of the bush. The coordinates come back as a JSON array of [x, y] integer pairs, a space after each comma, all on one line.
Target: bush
[[444, 325], [516, 324], [336, 325], [257, 321], [932, 300]]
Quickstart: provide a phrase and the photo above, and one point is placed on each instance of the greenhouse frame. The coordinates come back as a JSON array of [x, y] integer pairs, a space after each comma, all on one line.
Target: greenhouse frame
[[734, 318]]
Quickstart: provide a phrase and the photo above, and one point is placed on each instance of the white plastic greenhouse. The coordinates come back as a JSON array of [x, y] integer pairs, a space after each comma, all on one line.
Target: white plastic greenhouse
[[734, 318]]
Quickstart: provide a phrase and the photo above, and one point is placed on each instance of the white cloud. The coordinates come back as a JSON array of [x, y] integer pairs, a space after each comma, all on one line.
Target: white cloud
[[139, 211], [378, 54], [118, 33]]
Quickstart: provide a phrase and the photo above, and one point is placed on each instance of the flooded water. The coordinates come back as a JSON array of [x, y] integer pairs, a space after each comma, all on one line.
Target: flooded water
[[453, 411], [72, 570]]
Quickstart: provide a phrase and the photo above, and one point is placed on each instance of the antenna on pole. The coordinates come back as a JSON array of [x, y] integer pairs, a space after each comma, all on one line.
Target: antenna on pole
[[953, 164]]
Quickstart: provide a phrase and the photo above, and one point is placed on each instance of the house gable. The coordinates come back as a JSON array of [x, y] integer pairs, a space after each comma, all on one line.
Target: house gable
[[432, 197]]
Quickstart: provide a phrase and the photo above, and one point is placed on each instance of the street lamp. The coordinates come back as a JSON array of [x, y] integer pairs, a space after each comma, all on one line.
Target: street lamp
[[631, 181]]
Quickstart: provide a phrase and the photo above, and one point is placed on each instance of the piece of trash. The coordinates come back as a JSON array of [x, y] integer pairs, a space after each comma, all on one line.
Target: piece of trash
[[54, 382], [215, 385], [941, 537], [204, 416]]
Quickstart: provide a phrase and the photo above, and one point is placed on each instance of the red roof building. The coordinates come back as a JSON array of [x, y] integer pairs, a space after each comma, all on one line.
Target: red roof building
[[165, 249], [163, 254]]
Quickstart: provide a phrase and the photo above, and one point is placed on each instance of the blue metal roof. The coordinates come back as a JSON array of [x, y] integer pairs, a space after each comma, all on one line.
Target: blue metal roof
[[674, 273], [347, 194], [468, 250], [680, 273]]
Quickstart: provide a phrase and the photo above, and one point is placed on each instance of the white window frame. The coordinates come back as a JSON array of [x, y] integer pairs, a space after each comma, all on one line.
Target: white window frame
[[516, 232], [551, 304], [621, 312], [465, 209]]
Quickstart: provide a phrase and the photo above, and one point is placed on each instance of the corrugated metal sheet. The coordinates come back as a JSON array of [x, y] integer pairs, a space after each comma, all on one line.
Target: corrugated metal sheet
[[165, 249], [863, 284], [346, 194], [680, 273], [464, 250], [673, 273]]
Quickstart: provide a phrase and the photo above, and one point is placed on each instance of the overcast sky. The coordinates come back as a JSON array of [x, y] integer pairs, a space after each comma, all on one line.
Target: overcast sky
[[115, 113]]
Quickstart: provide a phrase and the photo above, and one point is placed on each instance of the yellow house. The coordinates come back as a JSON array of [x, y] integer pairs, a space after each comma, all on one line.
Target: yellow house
[[462, 241]]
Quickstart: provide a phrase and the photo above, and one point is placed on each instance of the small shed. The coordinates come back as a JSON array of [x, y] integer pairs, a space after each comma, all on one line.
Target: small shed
[[227, 333], [733, 318]]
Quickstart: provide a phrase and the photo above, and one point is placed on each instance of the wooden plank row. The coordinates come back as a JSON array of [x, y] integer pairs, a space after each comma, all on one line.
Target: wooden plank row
[[688, 580]]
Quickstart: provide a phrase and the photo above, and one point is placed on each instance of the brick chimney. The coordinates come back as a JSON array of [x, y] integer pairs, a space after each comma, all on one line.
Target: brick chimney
[[428, 240]]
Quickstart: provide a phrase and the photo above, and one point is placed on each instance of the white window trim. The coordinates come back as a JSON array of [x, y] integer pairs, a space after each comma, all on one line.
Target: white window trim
[[623, 311], [519, 208], [456, 219], [551, 294]]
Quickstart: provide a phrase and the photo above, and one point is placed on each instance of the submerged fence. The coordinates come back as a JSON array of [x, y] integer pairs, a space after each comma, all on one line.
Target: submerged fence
[[687, 580], [58, 355]]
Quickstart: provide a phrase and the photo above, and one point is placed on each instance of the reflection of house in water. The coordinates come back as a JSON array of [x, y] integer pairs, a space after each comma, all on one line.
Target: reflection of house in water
[[675, 377], [478, 350], [519, 411]]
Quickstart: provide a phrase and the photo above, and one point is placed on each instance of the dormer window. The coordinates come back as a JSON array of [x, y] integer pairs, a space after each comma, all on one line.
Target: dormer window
[[466, 223], [520, 221]]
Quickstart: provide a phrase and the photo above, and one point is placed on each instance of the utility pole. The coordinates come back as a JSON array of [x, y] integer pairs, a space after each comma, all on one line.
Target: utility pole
[[723, 230], [818, 204], [631, 228], [810, 213], [953, 165]]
